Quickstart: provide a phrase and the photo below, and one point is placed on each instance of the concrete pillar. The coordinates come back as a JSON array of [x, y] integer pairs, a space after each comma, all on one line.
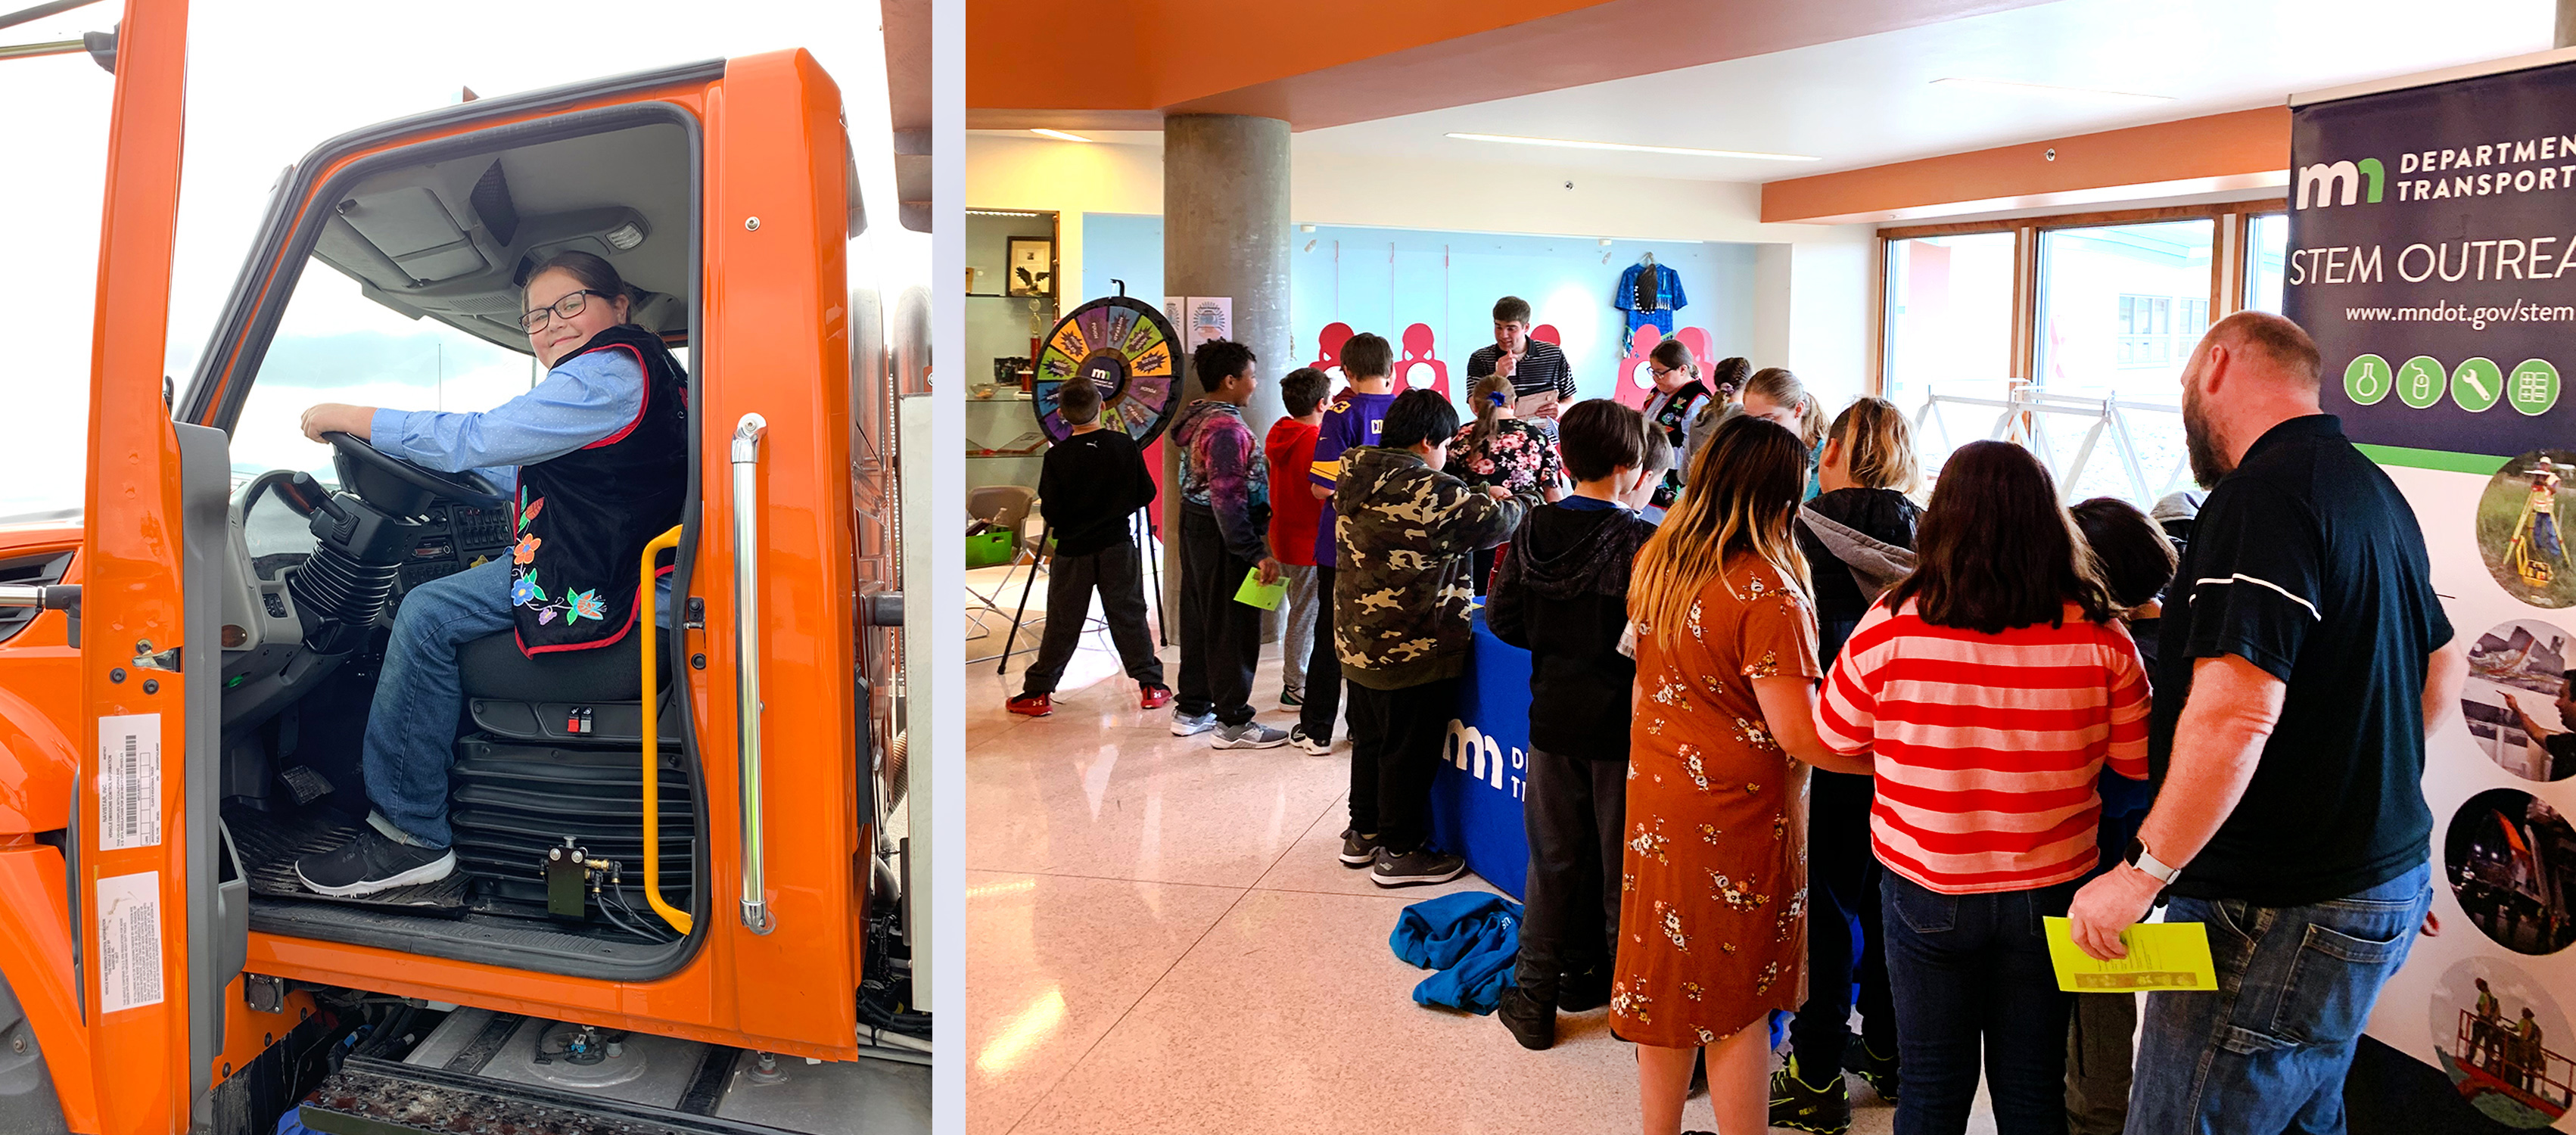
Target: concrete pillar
[[2566, 32], [1225, 233]]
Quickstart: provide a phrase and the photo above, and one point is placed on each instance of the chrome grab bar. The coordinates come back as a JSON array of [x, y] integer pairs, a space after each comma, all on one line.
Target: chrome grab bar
[[746, 640]]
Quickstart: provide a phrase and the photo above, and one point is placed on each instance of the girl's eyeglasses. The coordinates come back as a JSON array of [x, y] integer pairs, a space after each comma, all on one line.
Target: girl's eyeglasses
[[566, 308]]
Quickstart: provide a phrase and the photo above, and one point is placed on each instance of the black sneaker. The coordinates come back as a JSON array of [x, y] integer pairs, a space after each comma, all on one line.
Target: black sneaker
[[1583, 992], [1879, 1072], [1415, 868], [1358, 850], [1800, 1106], [372, 863], [1532, 1022]]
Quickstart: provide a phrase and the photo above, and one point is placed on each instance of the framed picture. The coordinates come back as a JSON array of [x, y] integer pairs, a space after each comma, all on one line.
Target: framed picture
[[1031, 266]]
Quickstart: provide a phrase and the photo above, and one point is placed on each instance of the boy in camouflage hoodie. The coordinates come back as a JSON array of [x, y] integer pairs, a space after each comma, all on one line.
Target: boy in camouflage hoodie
[[1400, 601]]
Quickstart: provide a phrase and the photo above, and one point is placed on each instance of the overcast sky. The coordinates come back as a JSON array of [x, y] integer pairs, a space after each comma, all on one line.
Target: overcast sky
[[267, 81]]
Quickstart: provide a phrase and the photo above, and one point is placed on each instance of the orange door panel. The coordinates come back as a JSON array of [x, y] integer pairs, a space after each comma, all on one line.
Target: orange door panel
[[131, 883]]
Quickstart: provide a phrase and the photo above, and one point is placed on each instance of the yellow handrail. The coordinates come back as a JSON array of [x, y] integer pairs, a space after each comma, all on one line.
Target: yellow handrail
[[679, 919]]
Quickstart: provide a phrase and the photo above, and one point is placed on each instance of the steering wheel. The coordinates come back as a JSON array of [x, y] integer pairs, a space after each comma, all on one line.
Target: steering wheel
[[468, 487]]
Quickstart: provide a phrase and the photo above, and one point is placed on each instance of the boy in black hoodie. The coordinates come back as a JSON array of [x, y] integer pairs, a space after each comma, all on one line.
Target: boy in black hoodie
[[1573, 559], [1858, 536]]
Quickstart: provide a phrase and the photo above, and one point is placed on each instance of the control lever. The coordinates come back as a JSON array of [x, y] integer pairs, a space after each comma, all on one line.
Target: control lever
[[307, 496]]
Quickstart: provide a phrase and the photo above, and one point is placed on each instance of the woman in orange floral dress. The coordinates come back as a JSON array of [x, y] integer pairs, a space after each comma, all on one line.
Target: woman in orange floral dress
[[1712, 923]]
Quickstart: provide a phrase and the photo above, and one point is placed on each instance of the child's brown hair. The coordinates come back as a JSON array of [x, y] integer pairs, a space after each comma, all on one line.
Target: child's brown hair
[[1878, 446]]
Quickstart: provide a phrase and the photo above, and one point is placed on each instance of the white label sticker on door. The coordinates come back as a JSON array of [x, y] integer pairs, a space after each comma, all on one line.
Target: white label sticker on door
[[129, 941], [129, 781]]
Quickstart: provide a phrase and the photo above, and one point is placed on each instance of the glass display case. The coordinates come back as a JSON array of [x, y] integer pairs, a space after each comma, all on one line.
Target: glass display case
[[1012, 300]]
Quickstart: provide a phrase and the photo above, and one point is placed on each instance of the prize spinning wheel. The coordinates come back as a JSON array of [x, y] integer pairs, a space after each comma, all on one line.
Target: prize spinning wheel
[[1125, 347]]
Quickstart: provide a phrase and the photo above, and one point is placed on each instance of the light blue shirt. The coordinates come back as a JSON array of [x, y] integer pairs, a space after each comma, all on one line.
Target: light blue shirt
[[583, 399]]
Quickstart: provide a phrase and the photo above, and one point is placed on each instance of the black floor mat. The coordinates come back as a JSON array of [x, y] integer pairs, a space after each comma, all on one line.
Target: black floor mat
[[270, 846]]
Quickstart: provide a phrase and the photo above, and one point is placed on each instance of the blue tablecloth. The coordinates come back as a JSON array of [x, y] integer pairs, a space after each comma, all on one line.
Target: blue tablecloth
[[1476, 796]]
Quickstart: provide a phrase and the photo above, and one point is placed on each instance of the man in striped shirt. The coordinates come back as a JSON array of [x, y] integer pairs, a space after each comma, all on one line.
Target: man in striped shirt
[[2304, 659], [1542, 381]]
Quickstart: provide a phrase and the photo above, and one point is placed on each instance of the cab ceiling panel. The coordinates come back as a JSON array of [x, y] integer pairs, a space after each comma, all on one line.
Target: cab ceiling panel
[[451, 240]]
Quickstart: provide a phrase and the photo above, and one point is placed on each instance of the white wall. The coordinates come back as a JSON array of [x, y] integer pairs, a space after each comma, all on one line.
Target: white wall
[[1814, 314]]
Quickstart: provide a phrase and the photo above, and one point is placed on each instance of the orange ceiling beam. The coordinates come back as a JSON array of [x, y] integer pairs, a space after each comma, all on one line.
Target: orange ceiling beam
[[2246, 149], [1113, 64]]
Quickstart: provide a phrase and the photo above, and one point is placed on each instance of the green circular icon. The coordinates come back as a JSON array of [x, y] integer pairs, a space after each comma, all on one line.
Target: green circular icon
[[2476, 384], [2534, 387], [2366, 380], [2421, 381]]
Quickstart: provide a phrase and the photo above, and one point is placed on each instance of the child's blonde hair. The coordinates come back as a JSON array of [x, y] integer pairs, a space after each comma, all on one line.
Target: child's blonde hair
[[1878, 446]]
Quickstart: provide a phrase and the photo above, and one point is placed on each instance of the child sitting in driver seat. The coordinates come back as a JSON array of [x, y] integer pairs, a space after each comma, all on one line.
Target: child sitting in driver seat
[[598, 454]]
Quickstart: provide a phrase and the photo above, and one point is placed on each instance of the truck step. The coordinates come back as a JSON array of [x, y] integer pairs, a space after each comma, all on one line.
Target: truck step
[[368, 1096]]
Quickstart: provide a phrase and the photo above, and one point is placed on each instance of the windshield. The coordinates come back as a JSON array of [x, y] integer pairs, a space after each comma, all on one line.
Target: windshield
[[335, 345]]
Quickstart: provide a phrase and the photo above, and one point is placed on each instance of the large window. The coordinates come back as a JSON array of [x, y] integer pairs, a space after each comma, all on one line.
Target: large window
[[2267, 244], [1949, 313], [2113, 302], [2078, 327]]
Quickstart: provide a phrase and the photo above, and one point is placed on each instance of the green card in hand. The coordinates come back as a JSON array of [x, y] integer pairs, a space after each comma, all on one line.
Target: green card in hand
[[1255, 593]]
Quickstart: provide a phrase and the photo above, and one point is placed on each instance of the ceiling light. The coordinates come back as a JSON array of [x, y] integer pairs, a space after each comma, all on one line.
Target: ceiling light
[[2012, 88], [1058, 135], [1686, 151], [625, 237]]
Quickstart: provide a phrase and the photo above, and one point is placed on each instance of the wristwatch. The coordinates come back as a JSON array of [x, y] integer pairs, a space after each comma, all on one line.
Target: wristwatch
[[2154, 868]]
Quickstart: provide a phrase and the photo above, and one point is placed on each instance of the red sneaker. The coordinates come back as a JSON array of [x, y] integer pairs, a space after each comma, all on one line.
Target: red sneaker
[[1155, 697], [1033, 705]]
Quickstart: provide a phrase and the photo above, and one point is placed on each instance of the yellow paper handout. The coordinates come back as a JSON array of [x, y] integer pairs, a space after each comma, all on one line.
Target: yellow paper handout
[[2162, 955]]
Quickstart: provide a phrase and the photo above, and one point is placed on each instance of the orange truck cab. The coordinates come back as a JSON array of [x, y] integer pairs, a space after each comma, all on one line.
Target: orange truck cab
[[678, 903]]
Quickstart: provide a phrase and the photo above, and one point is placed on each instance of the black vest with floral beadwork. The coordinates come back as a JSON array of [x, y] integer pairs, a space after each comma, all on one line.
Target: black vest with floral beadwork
[[584, 517]]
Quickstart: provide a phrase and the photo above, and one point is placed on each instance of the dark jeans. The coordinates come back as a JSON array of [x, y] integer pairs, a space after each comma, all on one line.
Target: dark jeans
[[2268, 1050], [1575, 812], [1323, 696], [1844, 942], [411, 729], [1395, 750], [1220, 638], [1115, 573], [1971, 969]]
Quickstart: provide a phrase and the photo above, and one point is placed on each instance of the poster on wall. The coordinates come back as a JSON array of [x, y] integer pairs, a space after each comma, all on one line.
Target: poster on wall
[[1209, 318], [2432, 255]]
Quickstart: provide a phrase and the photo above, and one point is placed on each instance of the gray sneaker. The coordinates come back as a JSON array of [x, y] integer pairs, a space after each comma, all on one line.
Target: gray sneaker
[[1249, 735], [1184, 725], [1414, 868]]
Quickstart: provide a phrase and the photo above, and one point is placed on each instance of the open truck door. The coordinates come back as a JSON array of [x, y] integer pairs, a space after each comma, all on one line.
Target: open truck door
[[157, 907]]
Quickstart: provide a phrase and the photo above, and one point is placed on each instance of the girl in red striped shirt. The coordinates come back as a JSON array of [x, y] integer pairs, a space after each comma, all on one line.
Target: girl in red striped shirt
[[1992, 685]]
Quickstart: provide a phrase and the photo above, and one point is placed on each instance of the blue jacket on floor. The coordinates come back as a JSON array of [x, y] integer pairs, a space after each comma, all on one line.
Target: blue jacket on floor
[[1470, 937]]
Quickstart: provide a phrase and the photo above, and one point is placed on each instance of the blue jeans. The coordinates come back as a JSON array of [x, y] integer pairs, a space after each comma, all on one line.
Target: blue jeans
[[411, 728], [1968, 970], [2268, 1050]]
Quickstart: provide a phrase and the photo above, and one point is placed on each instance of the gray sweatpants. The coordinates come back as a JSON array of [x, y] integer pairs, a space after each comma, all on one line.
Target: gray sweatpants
[[1297, 624]]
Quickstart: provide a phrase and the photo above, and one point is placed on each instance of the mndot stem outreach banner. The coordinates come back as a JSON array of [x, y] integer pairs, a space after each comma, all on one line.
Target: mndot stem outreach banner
[[2432, 254], [2433, 257]]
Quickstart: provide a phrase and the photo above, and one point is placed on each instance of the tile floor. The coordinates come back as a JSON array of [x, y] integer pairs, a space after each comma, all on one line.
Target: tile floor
[[1159, 939]]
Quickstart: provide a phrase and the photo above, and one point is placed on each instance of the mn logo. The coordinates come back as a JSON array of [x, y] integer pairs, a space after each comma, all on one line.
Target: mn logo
[[2338, 183]]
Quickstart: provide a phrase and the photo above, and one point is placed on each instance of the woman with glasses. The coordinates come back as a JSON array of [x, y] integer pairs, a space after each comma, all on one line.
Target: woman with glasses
[[1677, 397], [596, 454]]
